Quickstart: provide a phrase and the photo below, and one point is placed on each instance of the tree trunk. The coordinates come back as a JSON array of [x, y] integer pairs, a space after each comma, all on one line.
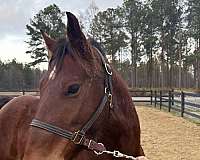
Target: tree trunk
[[132, 66], [162, 63], [196, 74], [179, 68], [133, 61]]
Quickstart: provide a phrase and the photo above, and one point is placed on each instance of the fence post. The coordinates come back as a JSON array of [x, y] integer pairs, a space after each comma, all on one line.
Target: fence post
[[160, 99], [182, 103], [170, 101], [172, 96], [155, 98], [151, 97]]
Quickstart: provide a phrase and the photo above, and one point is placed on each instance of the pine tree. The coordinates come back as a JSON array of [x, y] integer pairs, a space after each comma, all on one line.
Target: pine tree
[[193, 19], [149, 41], [48, 20], [107, 29], [133, 15], [169, 22]]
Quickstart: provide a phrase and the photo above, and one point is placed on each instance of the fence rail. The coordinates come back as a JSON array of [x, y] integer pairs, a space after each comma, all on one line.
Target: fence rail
[[19, 93], [185, 103], [170, 99]]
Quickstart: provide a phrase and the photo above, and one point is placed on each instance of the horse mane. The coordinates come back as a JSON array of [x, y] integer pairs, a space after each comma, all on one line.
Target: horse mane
[[97, 45]]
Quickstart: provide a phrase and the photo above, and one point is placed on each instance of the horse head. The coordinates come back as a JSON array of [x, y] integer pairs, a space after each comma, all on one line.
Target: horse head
[[70, 92], [83, 101]]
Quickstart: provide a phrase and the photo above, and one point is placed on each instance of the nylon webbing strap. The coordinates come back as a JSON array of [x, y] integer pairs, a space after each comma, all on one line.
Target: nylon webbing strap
[[52, 129], [75, 137], [95, 115]]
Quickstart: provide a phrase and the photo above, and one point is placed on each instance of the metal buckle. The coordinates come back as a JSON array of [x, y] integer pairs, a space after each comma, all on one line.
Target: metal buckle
[[89, 143], [78, 137], [110, 97], [110, 100]]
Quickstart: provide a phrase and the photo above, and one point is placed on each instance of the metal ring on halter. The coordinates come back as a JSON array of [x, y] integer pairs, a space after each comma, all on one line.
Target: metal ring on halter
[[99, 152], [106, 91], [108, 69]]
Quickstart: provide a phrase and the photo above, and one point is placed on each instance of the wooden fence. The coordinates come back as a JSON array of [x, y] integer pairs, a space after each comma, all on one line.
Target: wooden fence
[[170, 99], [19, 93], [185, 103]]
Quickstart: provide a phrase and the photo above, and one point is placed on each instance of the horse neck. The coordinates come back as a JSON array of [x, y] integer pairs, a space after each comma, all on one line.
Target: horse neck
[[122, 120], [122, 99]]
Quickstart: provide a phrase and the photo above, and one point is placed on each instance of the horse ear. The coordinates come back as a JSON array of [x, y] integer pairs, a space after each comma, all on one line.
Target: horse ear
[[50, 43], [75, 35]]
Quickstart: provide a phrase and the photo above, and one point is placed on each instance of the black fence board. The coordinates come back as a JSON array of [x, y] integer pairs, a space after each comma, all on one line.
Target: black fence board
[[192, 94], [192, 114], [176, 109], [192, 104]]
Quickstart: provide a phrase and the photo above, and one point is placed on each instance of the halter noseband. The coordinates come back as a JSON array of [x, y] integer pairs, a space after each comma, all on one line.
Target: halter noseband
[[79, 137]]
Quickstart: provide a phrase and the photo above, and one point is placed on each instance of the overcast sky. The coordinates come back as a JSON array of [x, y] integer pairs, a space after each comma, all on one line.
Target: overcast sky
[[15, 14]]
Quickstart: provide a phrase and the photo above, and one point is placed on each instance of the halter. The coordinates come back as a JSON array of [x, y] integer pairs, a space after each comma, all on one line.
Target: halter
[[79, 137]]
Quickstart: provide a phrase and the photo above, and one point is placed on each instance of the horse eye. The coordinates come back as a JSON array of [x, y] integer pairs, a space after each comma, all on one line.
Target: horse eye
[[73, 89]]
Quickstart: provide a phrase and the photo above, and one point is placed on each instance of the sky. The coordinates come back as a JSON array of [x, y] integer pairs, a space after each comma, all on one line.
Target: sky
[[15, 14]]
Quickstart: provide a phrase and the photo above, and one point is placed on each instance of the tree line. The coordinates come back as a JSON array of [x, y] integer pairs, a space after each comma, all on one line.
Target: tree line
[[16, 76], [162, 38], [153, 43]]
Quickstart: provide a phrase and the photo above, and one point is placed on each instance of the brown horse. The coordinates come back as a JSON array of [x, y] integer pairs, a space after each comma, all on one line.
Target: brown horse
[[84, 108]]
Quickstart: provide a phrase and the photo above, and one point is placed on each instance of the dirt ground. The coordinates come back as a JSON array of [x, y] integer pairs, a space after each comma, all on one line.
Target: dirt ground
[[168, 137]]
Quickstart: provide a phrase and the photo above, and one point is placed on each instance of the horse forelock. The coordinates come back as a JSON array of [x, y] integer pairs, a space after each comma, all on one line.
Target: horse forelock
[[63, 48]]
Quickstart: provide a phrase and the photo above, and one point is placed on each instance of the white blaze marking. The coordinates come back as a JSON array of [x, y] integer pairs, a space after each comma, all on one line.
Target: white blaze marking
[[53, 73]]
